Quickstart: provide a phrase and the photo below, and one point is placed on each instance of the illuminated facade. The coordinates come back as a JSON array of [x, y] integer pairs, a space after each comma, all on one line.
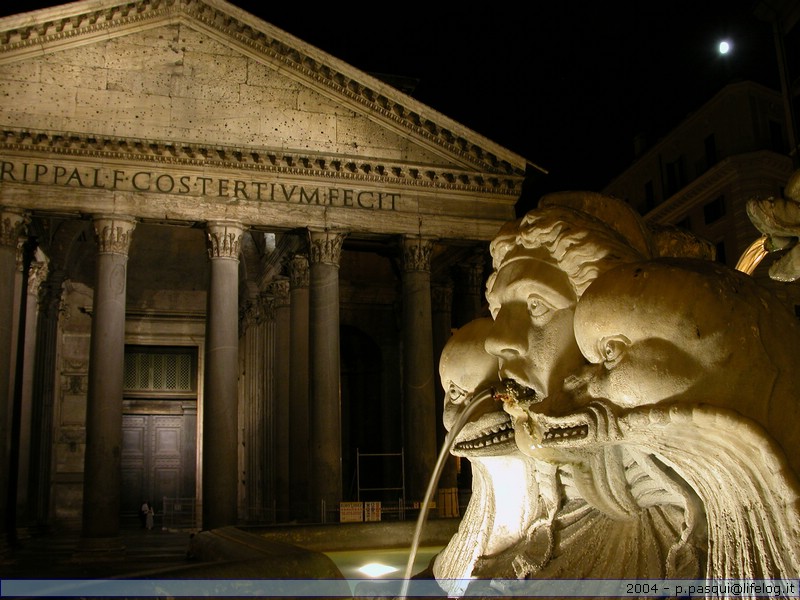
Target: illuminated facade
[[234, 259]]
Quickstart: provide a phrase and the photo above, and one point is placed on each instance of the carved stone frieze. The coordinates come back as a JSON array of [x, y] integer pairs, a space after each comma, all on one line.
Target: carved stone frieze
[[258, 160], [95, 22], [113, 234], [224, 240], [325, 247], [73, 383], [417, 252], [298, 271]]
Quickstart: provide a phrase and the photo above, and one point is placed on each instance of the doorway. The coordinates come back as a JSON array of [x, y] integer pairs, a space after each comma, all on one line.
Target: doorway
[[159, 426]]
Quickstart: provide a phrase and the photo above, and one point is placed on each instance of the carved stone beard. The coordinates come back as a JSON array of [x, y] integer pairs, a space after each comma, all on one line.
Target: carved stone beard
[[606, 510], [620, 514], [667, 491], [504, 509], [748, 491]]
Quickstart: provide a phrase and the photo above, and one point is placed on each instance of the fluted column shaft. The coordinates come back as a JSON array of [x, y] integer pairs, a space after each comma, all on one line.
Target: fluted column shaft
[[442, 300], [43, 398], [12, 224], [102, 474], [299, 472], [325, 405], [419, 400], [469, 293], [36, 276], [280, 291], [220, 386]]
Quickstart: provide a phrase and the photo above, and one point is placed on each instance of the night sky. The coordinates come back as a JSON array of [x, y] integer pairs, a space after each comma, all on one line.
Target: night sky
[[567, 84]]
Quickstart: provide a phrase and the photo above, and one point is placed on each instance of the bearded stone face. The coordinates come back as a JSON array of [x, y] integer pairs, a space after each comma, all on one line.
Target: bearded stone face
[[655, 402], [686, 407], [677, 330]]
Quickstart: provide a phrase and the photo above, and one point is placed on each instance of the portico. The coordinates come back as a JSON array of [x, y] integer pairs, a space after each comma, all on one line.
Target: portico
[[238, 208]]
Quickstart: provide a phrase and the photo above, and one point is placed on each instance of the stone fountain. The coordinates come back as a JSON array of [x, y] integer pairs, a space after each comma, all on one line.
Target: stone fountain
[[653, 399]]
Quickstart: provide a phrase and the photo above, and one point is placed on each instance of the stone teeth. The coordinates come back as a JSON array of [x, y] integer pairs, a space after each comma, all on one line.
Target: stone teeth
[[577, 431]]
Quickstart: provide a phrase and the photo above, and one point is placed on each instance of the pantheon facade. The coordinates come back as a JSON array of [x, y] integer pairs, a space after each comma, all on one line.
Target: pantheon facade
[[228, 262]]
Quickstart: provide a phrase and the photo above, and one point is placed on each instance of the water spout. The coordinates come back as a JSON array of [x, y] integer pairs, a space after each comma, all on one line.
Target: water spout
[[751, 257], [477, 399]]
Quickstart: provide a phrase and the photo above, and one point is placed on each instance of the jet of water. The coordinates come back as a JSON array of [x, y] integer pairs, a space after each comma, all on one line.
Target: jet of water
[[510, 389]]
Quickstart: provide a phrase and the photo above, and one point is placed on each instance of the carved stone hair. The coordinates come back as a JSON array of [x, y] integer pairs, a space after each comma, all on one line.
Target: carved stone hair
[[580, 245]]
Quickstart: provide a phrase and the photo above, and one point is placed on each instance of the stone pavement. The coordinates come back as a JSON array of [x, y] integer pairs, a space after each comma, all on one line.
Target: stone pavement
[[55, 555], [272, 553]]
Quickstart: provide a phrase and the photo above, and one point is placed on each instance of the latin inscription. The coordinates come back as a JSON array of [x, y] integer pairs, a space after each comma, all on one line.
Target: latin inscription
[[194, 185]]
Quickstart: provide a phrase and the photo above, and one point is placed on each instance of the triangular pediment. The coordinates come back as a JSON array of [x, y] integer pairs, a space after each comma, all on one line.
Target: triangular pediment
[[207, 74], [191, 109]]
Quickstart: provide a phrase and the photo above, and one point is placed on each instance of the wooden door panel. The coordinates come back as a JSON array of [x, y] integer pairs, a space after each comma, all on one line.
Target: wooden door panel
[[155, 448]]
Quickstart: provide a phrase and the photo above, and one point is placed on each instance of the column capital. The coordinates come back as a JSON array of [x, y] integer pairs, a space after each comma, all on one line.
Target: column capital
[[12, 224], [224, 239], [37, 275], [417, 252], [325, 246], [298, 271], [279, 289], [267, 307], [113, 233]]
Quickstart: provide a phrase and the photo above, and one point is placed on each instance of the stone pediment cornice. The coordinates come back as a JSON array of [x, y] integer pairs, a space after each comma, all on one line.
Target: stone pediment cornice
[[263, 160], [76, 22]]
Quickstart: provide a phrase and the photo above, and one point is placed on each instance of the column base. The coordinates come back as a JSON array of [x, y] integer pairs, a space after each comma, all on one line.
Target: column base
[[109, 549]]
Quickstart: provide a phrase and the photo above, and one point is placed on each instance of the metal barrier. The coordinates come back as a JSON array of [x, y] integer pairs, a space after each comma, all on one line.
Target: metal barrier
[[178, 513]]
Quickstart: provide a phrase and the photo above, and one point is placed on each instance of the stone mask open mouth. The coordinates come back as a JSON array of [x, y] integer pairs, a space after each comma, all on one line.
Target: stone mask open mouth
[[566, 433], [487, 440], [585, 428], [492, 434]]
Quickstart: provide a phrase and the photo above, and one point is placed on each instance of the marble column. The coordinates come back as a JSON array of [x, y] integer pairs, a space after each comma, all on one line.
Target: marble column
[[102, 473], [280, 291], [419, 398], [469, 294], [442, 300], [299, 472], [12, 223], [26, 287], [43, 398], [254, 388], [325, 403], [36, 277], [220, 386]]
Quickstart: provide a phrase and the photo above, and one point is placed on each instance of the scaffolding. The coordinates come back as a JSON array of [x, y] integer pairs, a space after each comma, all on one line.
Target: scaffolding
[[384, 457]]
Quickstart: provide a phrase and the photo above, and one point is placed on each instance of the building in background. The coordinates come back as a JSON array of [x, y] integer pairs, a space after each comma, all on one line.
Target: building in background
[[702, 173], [742, 143]]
